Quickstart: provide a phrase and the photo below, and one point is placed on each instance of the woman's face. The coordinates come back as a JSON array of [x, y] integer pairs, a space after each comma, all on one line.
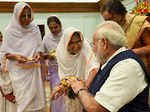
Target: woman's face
[[25, 17], [54, 28], [75, 44], [113, 17]]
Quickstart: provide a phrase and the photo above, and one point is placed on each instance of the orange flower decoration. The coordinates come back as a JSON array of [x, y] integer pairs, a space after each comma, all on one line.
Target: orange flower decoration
[[142, 8]]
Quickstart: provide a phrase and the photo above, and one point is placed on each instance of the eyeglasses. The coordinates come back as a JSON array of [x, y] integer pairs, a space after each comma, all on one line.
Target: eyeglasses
[[92, 44]]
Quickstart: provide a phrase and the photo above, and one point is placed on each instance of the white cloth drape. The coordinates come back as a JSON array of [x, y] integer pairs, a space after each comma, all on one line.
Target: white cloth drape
[[80, 64], [5, 84], [6, 106], [50, 42]]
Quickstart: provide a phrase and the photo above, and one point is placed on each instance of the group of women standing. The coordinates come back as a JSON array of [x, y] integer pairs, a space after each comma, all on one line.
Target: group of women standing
[[23, 51]]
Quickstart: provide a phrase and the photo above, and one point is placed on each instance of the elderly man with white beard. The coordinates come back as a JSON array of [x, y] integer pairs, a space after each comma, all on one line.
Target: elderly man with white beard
[[121, 84]]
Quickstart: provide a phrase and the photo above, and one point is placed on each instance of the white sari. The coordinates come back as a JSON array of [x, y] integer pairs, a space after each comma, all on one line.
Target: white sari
[[5, 84], [79, 65], [27, 83], [50, 42]]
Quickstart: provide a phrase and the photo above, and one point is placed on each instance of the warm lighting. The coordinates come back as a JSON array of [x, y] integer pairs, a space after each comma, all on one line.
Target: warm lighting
[[142, 7], [49, 0]]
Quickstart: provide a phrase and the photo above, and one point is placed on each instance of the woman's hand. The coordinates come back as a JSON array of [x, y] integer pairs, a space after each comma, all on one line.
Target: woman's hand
[[57, 92], [48, 56], [37, 57], [21, 59]]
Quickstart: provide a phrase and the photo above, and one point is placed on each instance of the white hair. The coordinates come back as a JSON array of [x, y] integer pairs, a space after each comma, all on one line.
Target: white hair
[[111, 31]]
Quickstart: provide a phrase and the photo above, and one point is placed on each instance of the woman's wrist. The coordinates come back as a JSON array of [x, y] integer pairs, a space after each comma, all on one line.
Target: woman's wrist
[[10, 56], [7, 55]]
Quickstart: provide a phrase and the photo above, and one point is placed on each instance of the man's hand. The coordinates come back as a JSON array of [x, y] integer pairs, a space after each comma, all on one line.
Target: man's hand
[[77, 85]]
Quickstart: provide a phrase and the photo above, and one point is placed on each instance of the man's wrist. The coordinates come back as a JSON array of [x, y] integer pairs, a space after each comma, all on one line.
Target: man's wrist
[[81, 89]]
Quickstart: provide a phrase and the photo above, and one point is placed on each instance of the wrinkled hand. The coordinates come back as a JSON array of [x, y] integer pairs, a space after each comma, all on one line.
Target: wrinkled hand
[[77, 85], [21, 59], [37, 57], [57, 92]]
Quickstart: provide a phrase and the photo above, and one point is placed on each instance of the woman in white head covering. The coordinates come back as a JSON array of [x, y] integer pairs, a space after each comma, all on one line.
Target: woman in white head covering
[[49, 44], [51, 40], [20, 42], [74, 54], [75, 57]]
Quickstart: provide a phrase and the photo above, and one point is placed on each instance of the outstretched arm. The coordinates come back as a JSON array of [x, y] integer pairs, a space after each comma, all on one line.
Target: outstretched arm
[[91, 76], [17, 57], [88, 101]]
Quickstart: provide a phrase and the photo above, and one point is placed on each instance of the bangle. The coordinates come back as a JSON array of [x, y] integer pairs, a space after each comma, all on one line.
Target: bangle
[[81, 89]]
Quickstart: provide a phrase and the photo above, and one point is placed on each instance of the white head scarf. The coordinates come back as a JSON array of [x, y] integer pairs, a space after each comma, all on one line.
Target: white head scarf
[[27, 84], [74, 64], [16, 37], [51, 41]]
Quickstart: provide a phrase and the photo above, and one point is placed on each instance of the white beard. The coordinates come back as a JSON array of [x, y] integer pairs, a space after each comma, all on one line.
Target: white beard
[[98, 58]]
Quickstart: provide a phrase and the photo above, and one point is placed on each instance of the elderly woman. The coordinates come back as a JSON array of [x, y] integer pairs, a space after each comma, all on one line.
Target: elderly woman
[[75, 57], [20, 43]]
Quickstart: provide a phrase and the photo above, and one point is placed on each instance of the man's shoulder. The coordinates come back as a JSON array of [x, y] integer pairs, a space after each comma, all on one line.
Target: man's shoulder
[[128, 61], [128, 65]]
